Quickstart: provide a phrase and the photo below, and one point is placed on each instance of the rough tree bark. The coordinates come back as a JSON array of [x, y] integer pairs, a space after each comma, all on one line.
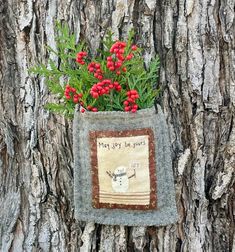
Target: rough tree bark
[[194, 39]]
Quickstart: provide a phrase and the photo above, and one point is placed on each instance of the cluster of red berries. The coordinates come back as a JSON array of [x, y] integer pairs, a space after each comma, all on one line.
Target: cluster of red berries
[[115, 63], [104, 87], [112, 66], [118, 49], [80, 57], [70, 93], [130, 103], [95, 68]]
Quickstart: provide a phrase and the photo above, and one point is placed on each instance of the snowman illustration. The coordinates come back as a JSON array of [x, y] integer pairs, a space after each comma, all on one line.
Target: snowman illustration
[[120, 180]]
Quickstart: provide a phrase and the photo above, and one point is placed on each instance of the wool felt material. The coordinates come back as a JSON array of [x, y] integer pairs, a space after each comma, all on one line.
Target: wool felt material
[[83, 124]]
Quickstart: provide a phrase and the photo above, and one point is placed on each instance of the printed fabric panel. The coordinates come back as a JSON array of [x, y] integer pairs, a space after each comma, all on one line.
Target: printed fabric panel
[[123, 169]]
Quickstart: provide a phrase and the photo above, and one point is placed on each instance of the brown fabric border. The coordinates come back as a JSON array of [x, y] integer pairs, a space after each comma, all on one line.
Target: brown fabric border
[[93, 135]]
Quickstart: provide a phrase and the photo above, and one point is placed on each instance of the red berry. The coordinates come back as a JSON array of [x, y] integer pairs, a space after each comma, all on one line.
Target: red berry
[[126, 103], [83, 110], [129, 56], [135, 106], [136, 96], [134, 48], [110, 64], [121, 51], [108, 81], [94, 109], [75, 100], [133, 97], [120, 57], [102, 91], [133, 92], [95, 95], [118, 64]]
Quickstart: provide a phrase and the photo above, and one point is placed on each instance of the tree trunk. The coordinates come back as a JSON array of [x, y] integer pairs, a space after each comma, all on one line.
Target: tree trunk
[[196, 45]]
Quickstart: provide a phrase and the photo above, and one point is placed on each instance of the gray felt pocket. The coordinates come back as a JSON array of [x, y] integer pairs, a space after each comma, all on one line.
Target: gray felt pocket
[[123, 168]]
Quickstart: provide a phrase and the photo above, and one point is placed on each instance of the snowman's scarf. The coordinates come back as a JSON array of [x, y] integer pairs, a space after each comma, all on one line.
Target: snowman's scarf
[[115, 176], [119, 175], [121, 203]]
